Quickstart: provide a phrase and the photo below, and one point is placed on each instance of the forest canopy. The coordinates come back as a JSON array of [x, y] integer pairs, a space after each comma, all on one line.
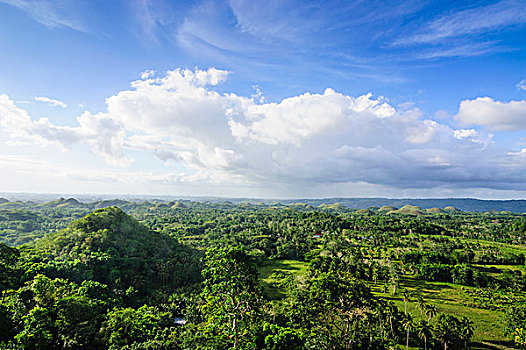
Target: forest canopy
[[193, 275]]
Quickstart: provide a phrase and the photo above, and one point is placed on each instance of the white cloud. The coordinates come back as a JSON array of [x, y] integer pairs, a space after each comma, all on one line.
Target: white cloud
[[521, 85], [421, 133], [465, 133], [270, 20], [102, 133], [50, 102], [147, 74], [304, 141], [467, 50], [468, 22], [495, 115], [465, 31], [51, 13]]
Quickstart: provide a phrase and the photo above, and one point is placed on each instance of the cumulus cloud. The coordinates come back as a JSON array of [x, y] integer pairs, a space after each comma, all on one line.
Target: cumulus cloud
[[50, 102], [313, 139], [465, 133], [147, 74], [102, 133], [495, 115], [521, 85]]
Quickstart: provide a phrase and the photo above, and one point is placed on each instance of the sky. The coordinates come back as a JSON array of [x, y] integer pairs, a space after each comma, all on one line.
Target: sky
[[266, 99]]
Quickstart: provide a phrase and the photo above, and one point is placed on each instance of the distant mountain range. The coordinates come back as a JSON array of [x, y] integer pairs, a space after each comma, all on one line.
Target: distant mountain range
[[464, 204]]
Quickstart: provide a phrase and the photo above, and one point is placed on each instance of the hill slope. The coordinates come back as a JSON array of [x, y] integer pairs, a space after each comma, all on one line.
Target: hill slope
[[113, 248]]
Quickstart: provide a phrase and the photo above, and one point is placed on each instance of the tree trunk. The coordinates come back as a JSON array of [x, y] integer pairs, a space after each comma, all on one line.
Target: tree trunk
[[234, 326]]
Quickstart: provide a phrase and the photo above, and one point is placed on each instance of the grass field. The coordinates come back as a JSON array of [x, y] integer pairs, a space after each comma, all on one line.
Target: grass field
[[504, 247], [450, 298], [270, 281], [447, 297]]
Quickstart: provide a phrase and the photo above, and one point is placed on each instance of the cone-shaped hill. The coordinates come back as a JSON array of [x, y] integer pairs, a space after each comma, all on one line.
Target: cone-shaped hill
[[61, 202], [178, 204], [113, 248], [451, 209], [388, 208], [335, 206], [408, 210], [112, 202]]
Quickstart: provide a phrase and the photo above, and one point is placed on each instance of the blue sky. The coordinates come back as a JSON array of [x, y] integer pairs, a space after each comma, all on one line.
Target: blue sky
[[264, 98]]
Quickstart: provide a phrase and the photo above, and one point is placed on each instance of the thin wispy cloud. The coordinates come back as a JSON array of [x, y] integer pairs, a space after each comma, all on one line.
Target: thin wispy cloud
[[273, 20], [51, 13], [50, 101], [361, 39], [262, 37], [155, 23], [468, 50], [147, 19], [468, 22]]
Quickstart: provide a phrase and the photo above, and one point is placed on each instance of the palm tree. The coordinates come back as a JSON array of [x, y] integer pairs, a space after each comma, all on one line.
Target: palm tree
[[375, 272], [391, 315], [421, 304], [466, 331], [406, 295], [408, 325], [380, 316], [441, 333], [431, 311], [394, 278], [425, 331], [394, 281]]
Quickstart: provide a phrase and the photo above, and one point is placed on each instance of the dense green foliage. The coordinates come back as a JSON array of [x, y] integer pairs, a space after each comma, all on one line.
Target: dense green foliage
[[110, 247], [186, 275]]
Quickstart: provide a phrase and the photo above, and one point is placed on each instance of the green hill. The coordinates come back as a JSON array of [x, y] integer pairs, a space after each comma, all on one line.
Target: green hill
[[16, 204], [61, 202], [113, 248], [388, 208], [111, 203], [178, 204], [161, 206], [434, 211], [364, 212], [408, 210], [451, 209], [334, 206]]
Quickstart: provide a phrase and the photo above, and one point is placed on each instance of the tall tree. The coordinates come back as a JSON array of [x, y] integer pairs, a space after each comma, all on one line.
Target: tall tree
[[8, 259], [408, 326], [231, 295], [340, 312], [425, 332]]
